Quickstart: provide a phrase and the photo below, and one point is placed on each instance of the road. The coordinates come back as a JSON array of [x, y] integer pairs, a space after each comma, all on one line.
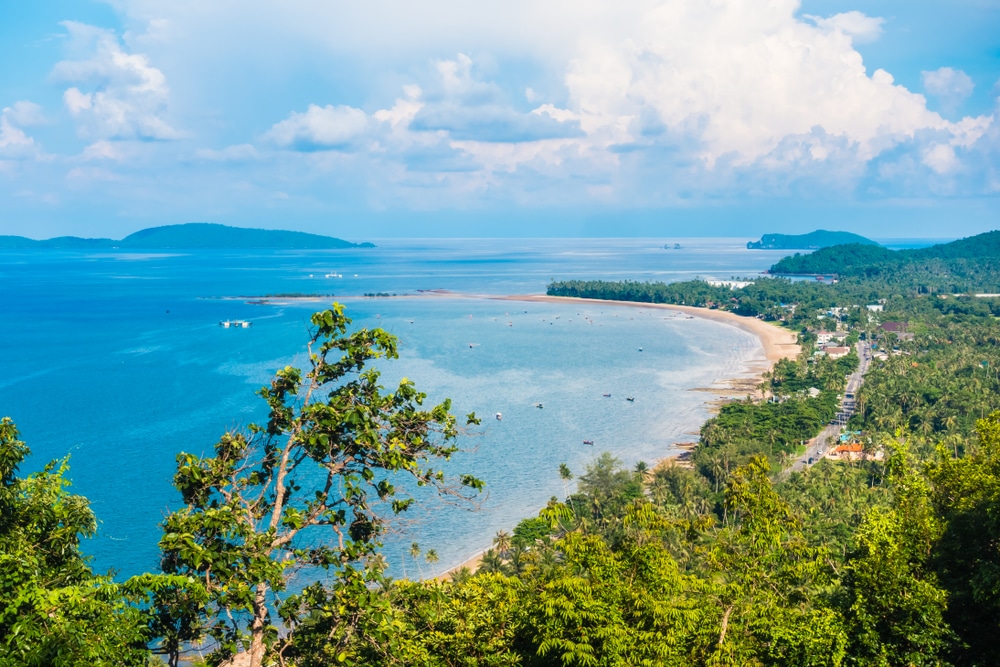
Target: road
[[816, 448]]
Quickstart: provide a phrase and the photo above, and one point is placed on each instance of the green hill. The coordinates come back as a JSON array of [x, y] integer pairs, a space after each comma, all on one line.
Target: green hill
[[970, 255], [194, 236], [817, 239]]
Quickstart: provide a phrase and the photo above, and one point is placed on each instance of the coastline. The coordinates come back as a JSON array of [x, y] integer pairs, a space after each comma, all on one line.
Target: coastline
[[778, 343]]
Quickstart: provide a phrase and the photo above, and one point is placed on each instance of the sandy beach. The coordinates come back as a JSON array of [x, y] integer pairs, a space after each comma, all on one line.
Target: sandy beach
[[778, 343]]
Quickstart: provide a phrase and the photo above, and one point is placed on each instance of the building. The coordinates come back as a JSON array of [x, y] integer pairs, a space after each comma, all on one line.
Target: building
[[824, 337], [898, 328], [876, 307], [836, 352], [854, 451]]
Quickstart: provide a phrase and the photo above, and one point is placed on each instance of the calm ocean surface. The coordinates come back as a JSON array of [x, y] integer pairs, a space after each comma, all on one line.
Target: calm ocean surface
[[116, 359]]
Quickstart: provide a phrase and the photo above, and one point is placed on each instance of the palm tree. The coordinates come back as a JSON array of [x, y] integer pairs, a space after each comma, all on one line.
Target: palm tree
[[566, 475], [431, 556], [415, 554], [491, 562], [502, 543]]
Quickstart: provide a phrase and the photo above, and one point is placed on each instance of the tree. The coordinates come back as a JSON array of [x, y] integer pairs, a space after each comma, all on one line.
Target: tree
[[54, 611], [313, 488], [566, 475]]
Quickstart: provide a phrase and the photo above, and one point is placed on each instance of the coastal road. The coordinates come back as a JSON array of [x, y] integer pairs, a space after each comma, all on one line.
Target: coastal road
[[818, 446]]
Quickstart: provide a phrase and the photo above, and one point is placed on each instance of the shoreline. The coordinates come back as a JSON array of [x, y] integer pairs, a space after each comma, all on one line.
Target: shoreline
[[777, 342]]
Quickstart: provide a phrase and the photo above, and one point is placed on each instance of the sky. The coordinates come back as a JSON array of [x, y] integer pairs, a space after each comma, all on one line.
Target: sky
[[390, 118]]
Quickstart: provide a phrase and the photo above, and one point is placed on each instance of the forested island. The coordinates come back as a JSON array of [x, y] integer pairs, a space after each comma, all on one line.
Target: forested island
[[190, 236], [817, 239], [887, 556]]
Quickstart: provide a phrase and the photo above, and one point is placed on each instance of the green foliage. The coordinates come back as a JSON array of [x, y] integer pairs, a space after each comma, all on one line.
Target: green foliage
[[54, 611], [817, 239], [965, 493]]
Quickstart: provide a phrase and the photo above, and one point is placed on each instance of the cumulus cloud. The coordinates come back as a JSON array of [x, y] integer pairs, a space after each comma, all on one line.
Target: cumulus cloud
[[468, 109], [118, 95], [320, 128], [24, 114], [679, 97], [237, 154], [951, 86], [860, 27], [14, 141]]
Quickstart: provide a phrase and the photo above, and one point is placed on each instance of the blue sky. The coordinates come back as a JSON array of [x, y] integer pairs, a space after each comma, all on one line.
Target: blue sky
[[501, 118]]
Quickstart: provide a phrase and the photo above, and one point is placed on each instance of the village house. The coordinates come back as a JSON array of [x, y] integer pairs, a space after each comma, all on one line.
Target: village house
[[898, 328], [836, 352], [854, 451], [824, 337]]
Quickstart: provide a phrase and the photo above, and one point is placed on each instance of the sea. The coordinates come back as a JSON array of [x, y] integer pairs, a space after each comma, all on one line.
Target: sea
[[116, 360]]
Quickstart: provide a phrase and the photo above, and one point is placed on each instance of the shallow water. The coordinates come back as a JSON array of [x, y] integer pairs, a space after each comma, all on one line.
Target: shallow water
[[117, 360]]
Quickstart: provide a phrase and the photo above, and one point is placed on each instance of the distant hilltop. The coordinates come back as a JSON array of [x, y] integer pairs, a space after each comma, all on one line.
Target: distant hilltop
[[811, 241], [975, 255], [194, 236]]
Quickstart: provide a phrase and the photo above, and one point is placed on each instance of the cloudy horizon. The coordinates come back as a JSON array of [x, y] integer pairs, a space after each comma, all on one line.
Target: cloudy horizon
[[658, 117]]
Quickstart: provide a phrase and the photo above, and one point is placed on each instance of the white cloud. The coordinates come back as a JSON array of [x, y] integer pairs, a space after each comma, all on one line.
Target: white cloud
[[667, 95], [230, 154], [15, 142], [24, 114], [860, 27], [103, 150], [951, 86], [320, 128], [126, 96], [941, 158]]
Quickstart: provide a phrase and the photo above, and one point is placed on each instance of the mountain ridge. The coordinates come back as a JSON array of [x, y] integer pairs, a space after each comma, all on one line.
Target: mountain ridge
[[193, 236]]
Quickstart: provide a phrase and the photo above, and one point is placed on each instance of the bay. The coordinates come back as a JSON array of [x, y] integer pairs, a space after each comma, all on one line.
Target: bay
[[117, 360]]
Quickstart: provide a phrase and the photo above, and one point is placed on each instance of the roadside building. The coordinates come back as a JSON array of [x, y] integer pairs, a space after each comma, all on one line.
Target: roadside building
[[854, 451], [898, 328], [824, 337], [836, 352]]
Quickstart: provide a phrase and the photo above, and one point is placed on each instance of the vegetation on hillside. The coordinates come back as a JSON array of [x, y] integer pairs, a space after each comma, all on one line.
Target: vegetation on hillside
[[967, 265], [817, 239]]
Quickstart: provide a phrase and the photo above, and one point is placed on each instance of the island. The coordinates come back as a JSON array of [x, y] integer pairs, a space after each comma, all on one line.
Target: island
[[811, 241], [191, 236]]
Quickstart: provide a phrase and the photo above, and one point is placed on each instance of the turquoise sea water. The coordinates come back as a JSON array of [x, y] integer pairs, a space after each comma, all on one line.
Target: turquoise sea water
[[117, 360]]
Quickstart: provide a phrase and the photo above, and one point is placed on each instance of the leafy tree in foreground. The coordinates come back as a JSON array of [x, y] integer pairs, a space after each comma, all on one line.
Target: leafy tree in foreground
[[310, 489], [53, 610]]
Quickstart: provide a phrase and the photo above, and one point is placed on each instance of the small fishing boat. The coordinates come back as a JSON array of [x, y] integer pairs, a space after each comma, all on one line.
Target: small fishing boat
[[499, 416], [588, 442], [607, 395], [539, 406], [630, 399]]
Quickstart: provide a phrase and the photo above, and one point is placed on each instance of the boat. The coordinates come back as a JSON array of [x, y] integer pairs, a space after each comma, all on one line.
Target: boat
[[640, 349], [499, 416], [334, 275], [607, 395], [677, 246], [235, 324], [588, 442], [630, 399], [539, 406]]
